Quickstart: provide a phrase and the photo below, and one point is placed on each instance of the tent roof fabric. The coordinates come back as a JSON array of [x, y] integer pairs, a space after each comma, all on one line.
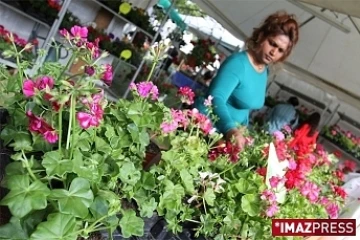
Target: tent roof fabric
[[325, 56], [348, 7]]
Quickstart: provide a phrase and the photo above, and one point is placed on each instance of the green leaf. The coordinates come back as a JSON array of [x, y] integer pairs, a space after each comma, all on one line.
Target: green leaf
[[24, 197], [110, 132], [209, 196], [77, 200], [187, 179], [147, 208], [83, 142], [22, 141], [245, 187], [99, 207], [144, 138], [102, 146], [250, 204], [7, 134], [15, 168], [55, 165], [57, 227], [244, 230], [129, 174], [13, 230], [148, 181], [131, 225]]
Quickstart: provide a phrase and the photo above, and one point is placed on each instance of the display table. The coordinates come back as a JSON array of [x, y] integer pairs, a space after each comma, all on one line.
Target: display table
[[180, 79]]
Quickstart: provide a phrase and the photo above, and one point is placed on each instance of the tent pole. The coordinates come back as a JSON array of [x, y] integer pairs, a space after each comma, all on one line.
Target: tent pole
[[152, 43]]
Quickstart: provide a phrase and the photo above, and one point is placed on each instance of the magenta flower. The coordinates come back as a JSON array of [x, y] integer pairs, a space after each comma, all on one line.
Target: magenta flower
[[43, 82], [28, 88], [146, 89], [107, 74], [51, 136], [79, 32], [86, 120], [65, 34], [274, 181], [310, 190], [272, 210], [89, 70], [333, 210], [268, 195]]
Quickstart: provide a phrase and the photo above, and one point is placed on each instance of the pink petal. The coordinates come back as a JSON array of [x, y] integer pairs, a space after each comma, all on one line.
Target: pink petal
[[29, 88]]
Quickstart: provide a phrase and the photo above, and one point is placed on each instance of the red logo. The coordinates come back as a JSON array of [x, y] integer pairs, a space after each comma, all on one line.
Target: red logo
[[313, 227]]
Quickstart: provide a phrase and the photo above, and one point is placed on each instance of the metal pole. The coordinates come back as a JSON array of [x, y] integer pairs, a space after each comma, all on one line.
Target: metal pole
[[54, 29], [332, 115], [152, 43]]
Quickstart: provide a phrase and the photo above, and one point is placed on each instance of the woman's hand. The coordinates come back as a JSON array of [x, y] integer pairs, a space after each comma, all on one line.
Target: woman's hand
[[237, 135]]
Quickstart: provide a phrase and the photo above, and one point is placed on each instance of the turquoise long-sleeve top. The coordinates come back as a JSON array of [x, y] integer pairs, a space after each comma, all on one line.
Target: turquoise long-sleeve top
[[236, 90]]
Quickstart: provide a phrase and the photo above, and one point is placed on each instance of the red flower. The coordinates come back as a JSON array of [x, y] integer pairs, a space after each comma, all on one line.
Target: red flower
[[261, 171], [294, 178], [349, 166], [339, 191], [339, 175], [338, 154]]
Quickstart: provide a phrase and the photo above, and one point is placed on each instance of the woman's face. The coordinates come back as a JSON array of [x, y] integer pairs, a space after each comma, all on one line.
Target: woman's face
[[273, 49]]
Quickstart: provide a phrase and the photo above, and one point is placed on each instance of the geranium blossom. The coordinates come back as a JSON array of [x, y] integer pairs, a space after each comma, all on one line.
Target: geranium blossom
[[29, 86], [186, 95], [40, 126], [272, 210], [145, 90], [107, 74], [310, 190]]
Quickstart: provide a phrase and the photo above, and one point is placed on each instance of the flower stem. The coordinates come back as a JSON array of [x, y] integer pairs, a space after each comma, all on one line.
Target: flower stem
[[71, 60], [156, 60], [60, 128], [26, 163], [73, 119], [70, 123]]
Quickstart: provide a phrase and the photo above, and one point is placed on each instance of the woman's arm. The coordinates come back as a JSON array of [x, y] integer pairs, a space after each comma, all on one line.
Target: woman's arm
[[223, 85]]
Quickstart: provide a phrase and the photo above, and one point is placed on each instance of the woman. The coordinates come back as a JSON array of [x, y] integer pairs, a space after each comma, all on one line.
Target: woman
[[305, 136], [240, 83]]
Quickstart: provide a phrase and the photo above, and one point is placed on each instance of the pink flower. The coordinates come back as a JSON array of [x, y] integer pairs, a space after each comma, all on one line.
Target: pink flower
[[79, 32], [187, 95], [43, 82], [168, 127], [324, 201], [272, 210], [28, 88], [279, 136], [268, 195], [86, 120], [107, 74], [89, 70], [51, 136], [208, 101], [146, 89], [65, 34], [274, 181], [333, 210], [310, 190], [292, 164]]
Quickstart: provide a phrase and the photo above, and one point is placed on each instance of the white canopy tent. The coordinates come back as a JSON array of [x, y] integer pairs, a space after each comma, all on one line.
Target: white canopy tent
[[326, 56]]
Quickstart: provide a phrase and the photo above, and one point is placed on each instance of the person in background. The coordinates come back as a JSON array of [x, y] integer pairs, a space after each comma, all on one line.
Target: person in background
[[240, 84], [306, 135], [283, 114]]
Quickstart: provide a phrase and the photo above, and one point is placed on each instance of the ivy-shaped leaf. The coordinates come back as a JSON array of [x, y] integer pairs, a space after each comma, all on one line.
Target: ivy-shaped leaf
[[250, 204], [245, 187], [77, 200], [57, 227], [102, 146], [25, 197], [209, 196], [129, 174], [22, 141], [148, 207], [54, 165], [13, 230], [148, 181], [131, 225], [187, 180]]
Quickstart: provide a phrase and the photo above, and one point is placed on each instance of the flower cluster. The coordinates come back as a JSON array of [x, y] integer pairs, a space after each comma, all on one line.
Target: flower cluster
[[145, 90], [40, 126], [186, 95], [269, 198], [30, 87], [93, 111], [9, 37]]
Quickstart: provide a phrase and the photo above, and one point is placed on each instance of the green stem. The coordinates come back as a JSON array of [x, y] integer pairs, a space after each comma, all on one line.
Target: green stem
[[232, 166], [152, 68], [73, 119], [71, 60], [20, 80], [26, 163], [70, 124], [60, 128], [190, 220]]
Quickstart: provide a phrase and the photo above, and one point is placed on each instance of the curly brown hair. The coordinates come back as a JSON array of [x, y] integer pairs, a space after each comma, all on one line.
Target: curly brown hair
[[279, 23]]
